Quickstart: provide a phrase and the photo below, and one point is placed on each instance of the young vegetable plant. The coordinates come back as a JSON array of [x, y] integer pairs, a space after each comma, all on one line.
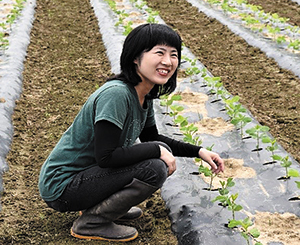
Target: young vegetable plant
[[258, 132], [211, 82], [207, 173], [241, 120], [189, 131], [175, 109], [271, 148], [245, 232], [286, 163], [167, 101], [233, 107], [224, 192], [229, 201]]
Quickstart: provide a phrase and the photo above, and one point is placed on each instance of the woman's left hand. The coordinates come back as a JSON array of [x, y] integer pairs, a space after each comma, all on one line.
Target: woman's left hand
[[213, 159]]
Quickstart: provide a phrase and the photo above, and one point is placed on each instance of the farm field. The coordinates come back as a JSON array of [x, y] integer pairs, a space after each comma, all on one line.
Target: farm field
[[66, 62]]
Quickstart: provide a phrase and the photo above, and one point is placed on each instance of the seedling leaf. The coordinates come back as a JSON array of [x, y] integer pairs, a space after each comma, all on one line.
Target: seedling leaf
[[293, 172], [254, 232]]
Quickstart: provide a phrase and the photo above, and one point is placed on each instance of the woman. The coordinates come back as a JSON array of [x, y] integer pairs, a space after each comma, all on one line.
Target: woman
[[97, 166]]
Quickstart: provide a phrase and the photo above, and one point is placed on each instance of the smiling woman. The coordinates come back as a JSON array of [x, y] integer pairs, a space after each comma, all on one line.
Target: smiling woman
[[155, 67], [97, 166]]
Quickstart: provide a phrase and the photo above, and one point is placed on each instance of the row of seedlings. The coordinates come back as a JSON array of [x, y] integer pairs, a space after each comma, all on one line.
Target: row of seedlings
[[8, 14], [270, 25]]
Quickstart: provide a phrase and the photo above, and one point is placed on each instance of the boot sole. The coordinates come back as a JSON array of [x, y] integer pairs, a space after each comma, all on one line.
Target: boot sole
[[103, 238]]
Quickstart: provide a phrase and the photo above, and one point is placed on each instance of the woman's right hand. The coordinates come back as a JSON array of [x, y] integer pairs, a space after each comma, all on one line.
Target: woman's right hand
[[168, 158]]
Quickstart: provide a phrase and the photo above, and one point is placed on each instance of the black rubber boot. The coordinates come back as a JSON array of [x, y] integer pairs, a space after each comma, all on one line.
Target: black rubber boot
[[132, 214], [97, 222]]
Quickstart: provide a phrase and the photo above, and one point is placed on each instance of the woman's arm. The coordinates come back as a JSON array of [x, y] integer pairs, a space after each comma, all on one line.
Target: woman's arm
[[180, 149], [108, 153], [184, 149]]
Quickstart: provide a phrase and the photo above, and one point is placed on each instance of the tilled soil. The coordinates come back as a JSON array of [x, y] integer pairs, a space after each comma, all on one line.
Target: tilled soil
[[284, 8], [66, 62]]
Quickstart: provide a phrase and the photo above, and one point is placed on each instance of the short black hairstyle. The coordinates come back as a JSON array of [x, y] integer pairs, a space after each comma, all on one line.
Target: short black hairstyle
[[142, 39]]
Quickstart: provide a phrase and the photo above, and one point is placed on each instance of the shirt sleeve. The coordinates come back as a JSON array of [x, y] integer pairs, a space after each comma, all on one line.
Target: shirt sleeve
[[112, 106], [109, 154], [180, 149]]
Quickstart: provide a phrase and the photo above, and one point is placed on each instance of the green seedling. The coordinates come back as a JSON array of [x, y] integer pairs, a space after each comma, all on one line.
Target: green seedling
[[224, 192], [211, 82], [141, 4], [280, 39], [3, 41], [175, 110], [167, 101], [254, 8], [112, 4], [227, 8], [249, 19], [273, 30], [192, 71], [214, 1], [181, 121], [128, 28], [277, 18], [218, 89], [294, 44], [258, 132], [233, 108], [245, 232], [189, 131], [232, 206], [241, 120], [286, 163], [122, 17], [271, 148], [207, 173], [240, 1]]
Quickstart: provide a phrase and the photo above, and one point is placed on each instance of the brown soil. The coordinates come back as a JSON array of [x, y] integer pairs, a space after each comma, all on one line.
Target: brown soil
[[66, 61], [284, 8]]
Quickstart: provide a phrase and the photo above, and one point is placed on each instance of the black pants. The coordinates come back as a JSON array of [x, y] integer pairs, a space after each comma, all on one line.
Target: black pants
[[94, 185]]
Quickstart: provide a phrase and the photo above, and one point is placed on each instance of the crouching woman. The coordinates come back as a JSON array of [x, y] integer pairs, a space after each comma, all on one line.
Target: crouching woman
[[97, 167]]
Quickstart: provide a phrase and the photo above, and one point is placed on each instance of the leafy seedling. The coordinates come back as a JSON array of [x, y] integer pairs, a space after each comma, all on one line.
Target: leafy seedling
[[224, 192], [244, 227], [175, 109], [240, 120], [207, 173], [286, 163], [232, 206], [189, 131], [258, 132], [271, 148], [167, 101]]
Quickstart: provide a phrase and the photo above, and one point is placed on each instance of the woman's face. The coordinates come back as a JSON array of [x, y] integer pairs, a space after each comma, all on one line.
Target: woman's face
[[157, 65]]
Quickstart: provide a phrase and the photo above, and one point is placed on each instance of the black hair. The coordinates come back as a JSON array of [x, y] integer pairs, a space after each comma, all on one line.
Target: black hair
[[142, 39]]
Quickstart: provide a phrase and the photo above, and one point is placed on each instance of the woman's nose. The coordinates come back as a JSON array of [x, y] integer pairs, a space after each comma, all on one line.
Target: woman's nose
[[166, 61]]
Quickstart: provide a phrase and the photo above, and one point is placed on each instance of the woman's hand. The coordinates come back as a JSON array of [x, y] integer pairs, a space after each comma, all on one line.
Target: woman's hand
[[168, 158], [213, 159]]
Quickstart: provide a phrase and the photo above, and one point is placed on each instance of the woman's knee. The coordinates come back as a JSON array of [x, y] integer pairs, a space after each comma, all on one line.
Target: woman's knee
[[154, 172]]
